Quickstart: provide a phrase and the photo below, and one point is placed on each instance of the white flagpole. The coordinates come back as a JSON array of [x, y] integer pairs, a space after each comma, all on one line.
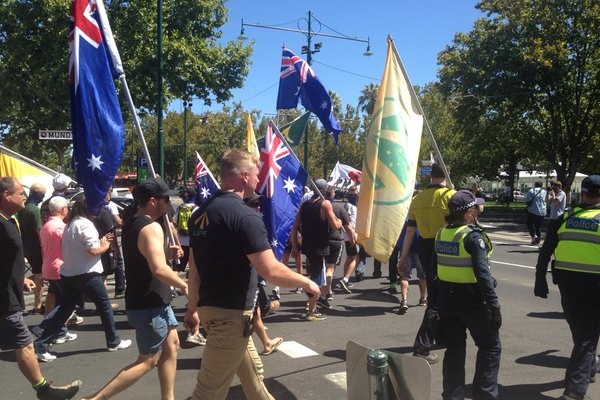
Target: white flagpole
[[420, 109]]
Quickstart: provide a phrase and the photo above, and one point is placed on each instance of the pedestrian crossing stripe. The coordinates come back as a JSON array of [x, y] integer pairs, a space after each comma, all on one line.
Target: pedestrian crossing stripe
[[294, 349], [338, 378]]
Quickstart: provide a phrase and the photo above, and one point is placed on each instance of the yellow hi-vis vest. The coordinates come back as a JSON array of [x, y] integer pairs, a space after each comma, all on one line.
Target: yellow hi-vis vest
[[453, 260], [578, 247]]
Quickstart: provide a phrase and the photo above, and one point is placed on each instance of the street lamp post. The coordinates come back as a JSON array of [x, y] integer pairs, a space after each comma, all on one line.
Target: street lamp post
[[309, 52], [186, 107]]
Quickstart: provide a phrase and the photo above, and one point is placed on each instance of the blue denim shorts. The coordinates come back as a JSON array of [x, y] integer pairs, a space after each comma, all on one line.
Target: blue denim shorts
[[152, 326], [15, 334]]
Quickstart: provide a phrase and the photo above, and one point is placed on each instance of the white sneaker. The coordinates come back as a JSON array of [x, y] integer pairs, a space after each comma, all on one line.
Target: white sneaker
[[198, 339], [74, 319], [45, 357], [68, 337], [123, 344]]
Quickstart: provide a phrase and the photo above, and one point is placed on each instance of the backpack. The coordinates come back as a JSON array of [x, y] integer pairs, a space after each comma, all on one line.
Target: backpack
[[183, 215]]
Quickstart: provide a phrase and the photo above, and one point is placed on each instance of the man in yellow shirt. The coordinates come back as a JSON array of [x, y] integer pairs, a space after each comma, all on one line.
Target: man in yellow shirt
[[426, 214]]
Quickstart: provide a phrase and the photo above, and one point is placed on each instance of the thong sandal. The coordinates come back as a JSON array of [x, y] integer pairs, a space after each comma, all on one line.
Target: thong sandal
[[276, 342]]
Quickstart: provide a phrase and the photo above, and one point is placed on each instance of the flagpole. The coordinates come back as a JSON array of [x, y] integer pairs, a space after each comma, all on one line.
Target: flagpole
[[138, 128], [420, 109], [285, 142]]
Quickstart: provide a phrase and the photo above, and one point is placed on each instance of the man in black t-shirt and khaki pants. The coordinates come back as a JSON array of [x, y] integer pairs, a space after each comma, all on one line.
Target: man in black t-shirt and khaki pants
[[228, 247]]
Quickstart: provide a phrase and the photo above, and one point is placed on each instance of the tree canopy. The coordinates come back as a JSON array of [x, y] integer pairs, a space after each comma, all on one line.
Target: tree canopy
[[526, 83], [34, 62]]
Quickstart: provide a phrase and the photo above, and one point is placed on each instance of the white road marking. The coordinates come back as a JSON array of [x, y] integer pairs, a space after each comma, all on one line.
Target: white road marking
[[512, 265], [338, 378], [294, 349]]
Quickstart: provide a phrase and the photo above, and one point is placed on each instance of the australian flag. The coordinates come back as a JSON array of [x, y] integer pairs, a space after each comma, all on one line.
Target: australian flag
[[97, 123], [281, 183], [297, 80], [205, 182]]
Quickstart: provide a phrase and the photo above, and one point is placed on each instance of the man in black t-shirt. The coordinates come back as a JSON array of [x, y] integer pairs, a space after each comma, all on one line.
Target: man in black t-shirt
[[228, 247], [15, 334], [148, 294]]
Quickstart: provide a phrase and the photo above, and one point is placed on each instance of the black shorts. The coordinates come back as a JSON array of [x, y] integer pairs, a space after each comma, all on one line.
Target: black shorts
[[315, 265], [35, 262], [15, 334], [335, 253], [351, 250]]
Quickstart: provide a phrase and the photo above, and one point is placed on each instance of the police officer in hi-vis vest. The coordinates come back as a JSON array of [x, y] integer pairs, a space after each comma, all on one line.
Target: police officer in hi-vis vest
[[466, 299], [575, 241]]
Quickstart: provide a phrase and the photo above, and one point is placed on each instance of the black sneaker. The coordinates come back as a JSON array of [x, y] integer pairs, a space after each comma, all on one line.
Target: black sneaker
[[344, 286], [323, 302], [50, 392], [358, 276]]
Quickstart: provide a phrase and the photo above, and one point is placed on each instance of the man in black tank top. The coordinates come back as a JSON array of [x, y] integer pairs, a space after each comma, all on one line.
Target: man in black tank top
[[314, 220], [148, 294]]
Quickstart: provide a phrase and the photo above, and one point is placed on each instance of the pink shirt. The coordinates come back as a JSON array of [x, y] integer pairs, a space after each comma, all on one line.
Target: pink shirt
[[51, 237]]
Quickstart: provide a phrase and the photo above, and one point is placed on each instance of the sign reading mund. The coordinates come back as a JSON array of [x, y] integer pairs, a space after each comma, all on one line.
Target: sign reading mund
[[55, 135]]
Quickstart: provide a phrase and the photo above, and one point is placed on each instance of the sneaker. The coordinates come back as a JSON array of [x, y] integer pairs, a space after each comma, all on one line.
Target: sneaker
[[330, 297], [276, 294], [377, 274], [68, 337], [119, 295], [358, 276], [297, 290], [123, 344], [51, 392], [323, 302], [536, 240], [275, 304], [422, 301], [45, 357], [430, 357], [393, 288], [197, 339], [74, 320], [573, 396], [403, 308], [316, 317], [342, 284], [349, 284], [306, 306], [114, 306]]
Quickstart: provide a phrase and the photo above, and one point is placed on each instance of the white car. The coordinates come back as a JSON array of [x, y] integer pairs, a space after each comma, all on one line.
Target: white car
[[518, 196], [121, 192]]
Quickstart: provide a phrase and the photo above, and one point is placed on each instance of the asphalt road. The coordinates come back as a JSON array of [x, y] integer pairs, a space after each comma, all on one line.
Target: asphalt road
[[311, 362]]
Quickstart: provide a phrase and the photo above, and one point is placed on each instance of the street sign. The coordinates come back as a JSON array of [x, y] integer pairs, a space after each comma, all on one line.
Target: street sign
[[425, 170], [55, 134]]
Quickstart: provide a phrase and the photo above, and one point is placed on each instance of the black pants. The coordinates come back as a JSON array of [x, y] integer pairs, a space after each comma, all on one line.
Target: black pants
[[580, 299], [457, 315], [534, 224], [425, 336]]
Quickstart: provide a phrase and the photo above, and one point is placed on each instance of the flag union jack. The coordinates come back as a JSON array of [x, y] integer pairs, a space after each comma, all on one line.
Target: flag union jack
[[273, 151], [85, 26]]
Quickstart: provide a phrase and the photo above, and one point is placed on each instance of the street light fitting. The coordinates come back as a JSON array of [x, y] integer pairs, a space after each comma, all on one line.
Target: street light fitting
[[242, 36], [368, 52]]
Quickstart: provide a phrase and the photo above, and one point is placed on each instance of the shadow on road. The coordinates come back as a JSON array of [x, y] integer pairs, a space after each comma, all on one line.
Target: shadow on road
[[547, 315], [544, 359]]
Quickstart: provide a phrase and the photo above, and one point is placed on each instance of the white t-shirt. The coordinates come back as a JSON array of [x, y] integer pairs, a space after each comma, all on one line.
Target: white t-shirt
[[112, 207], [78, 237], [352, 211]]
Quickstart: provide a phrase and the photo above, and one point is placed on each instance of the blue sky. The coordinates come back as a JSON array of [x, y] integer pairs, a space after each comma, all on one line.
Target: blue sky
[[420, 29]]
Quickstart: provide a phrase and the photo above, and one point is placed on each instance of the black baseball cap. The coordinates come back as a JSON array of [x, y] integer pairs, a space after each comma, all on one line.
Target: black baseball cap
[[591, 185], [152, 187], [253, 200], [463, 200]]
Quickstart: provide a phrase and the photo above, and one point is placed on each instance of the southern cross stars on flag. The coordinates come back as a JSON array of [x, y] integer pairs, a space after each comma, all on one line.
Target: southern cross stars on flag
[[281, 182], [98, 129], [205, 182]]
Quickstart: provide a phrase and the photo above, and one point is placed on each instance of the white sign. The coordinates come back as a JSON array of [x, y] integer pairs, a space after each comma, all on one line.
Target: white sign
[[55, 135]]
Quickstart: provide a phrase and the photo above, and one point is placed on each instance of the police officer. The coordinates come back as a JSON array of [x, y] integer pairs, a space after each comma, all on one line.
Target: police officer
[[575, 242], [466, 299]]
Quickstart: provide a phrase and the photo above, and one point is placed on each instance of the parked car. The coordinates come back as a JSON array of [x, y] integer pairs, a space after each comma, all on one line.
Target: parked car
[[518, 196], [121, 192]]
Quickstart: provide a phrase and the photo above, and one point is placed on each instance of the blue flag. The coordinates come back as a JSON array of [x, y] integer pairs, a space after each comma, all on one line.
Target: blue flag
[[97, 123], [205, 182], [281, 183], [297, 80]]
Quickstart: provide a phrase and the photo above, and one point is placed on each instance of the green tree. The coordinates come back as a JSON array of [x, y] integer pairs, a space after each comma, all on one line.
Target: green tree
[[368, 98], [527, 81], [34, 58]]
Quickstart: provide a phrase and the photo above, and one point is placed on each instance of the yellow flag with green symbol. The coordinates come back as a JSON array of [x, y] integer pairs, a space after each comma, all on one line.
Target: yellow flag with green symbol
[[251, 144], [390, 161]]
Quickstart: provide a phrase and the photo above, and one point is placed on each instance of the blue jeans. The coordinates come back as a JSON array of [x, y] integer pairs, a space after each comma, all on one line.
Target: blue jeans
[[92, 286]]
